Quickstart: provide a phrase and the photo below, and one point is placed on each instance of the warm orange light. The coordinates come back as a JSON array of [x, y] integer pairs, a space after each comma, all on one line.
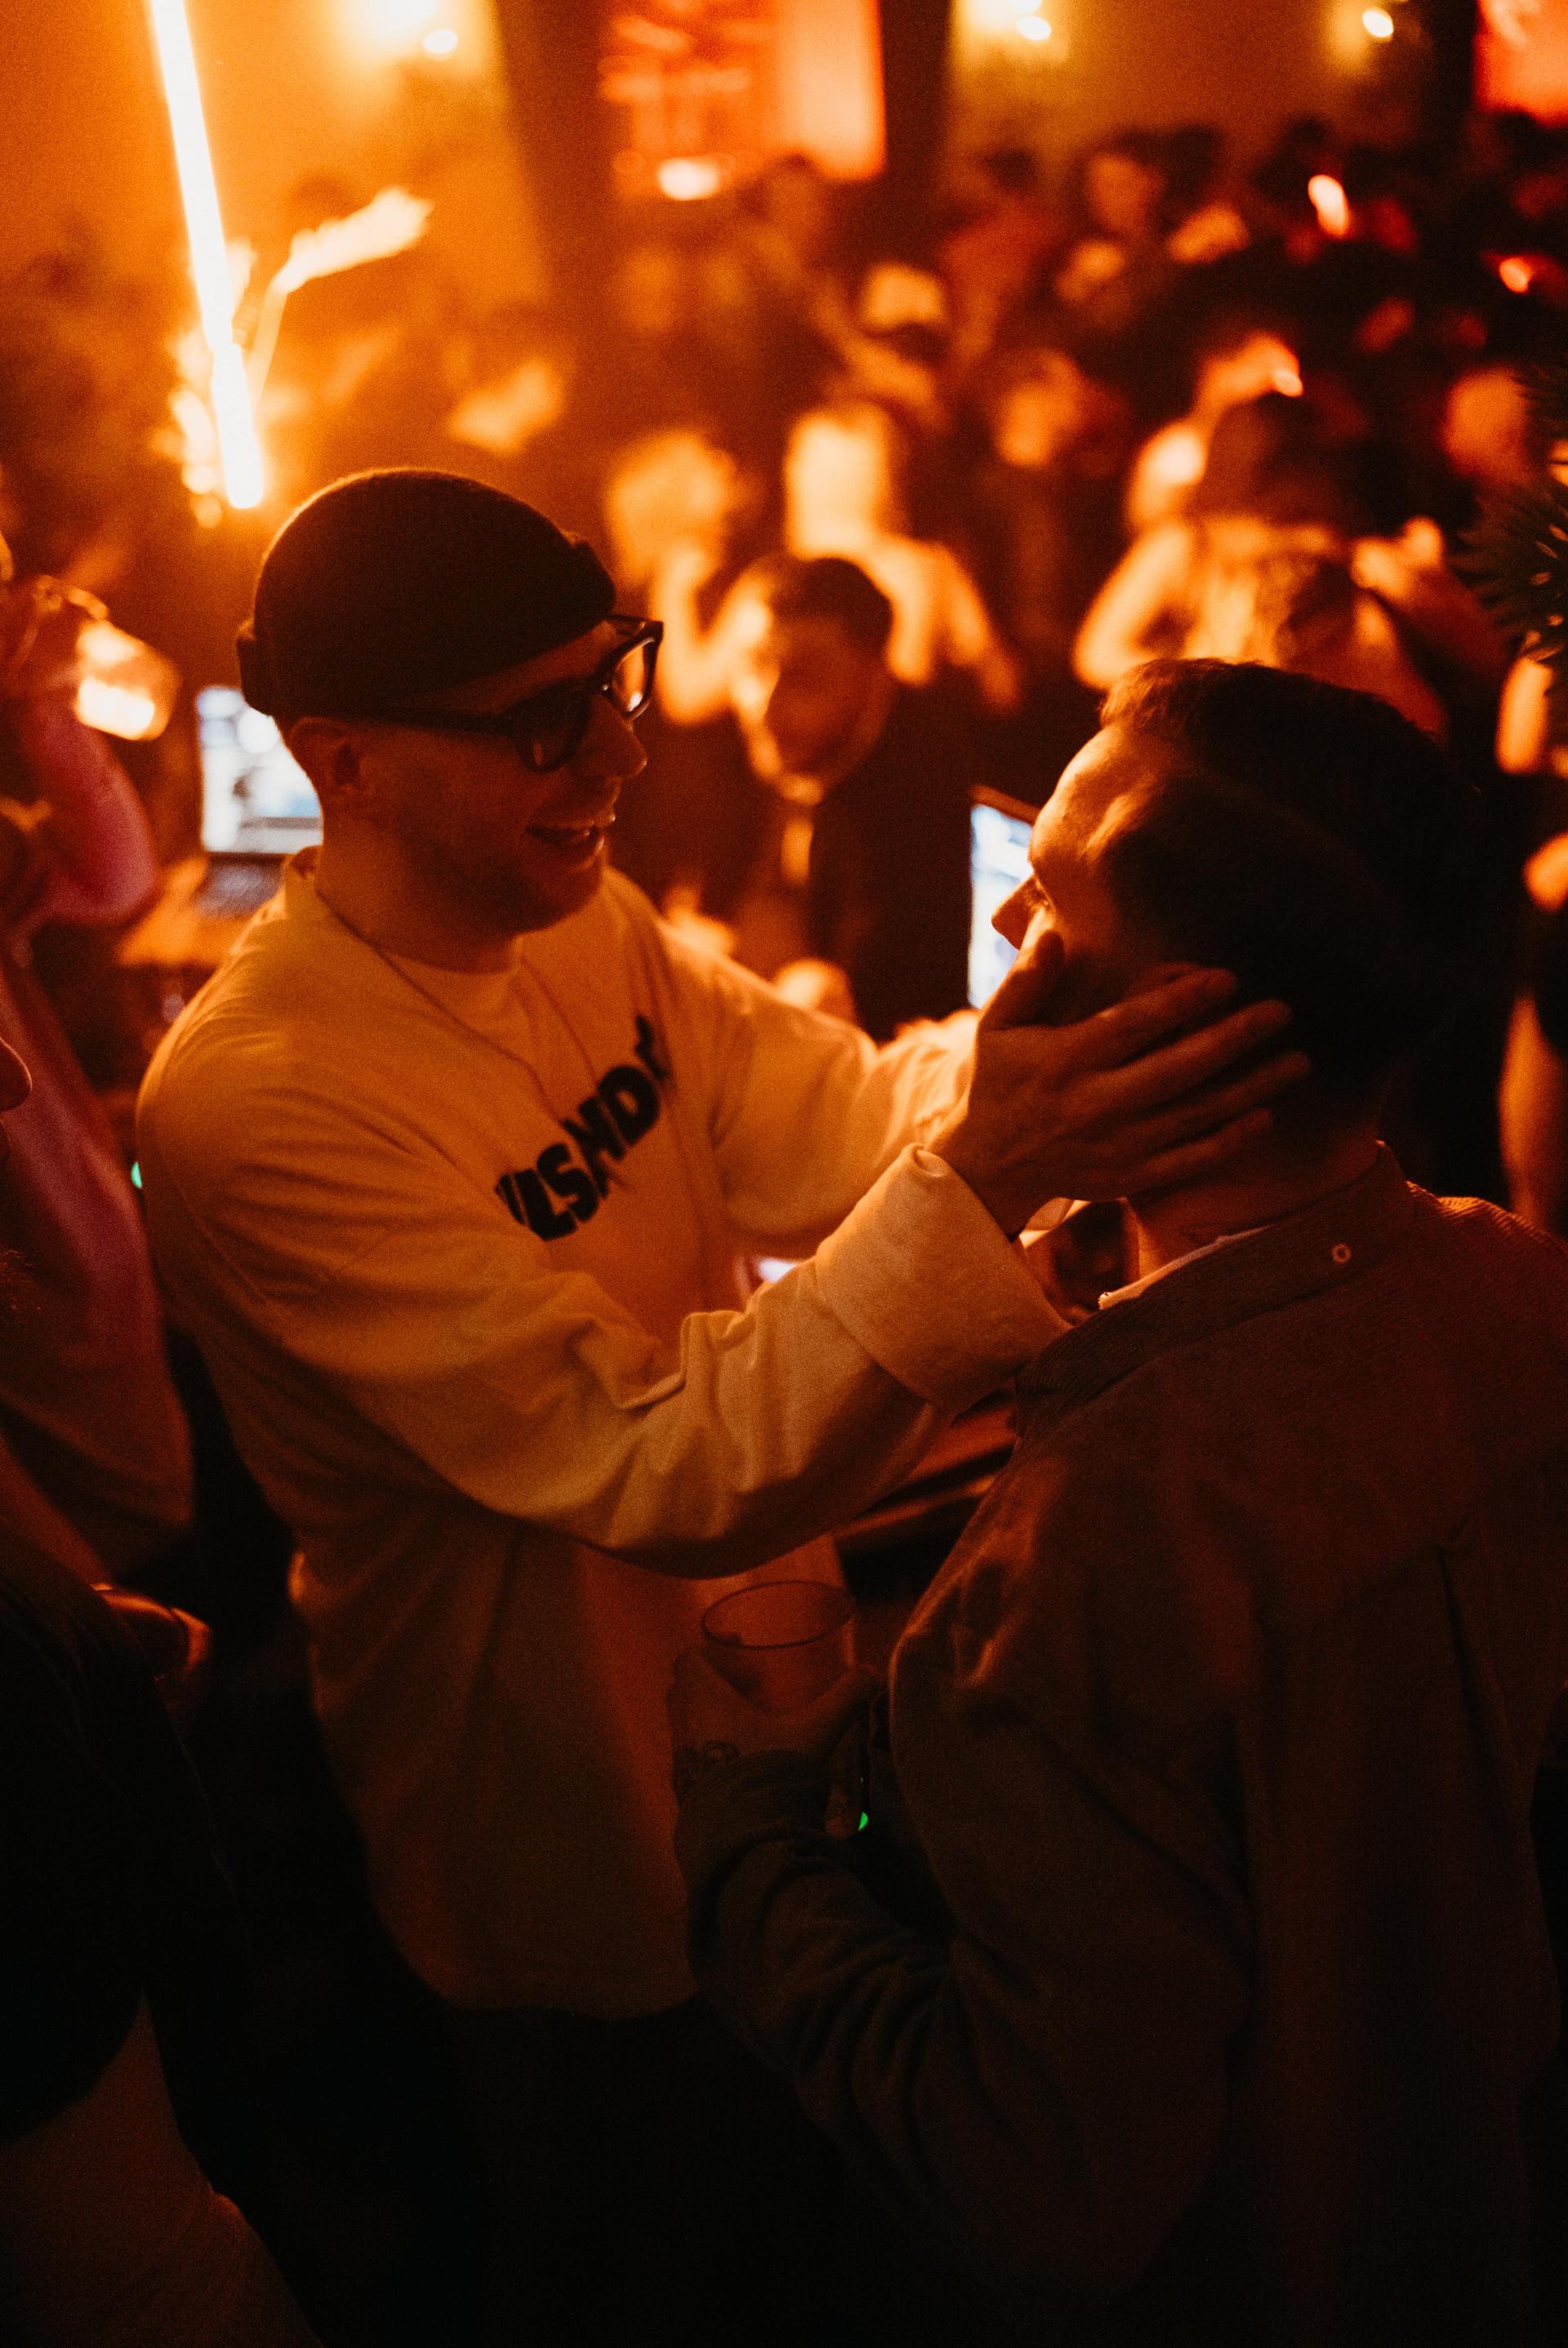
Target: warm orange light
[[1377, 24], [686, 178], [1516, 273], [441, 42], [1329, 202], [1033, 29], [238, 447], [392, 26]]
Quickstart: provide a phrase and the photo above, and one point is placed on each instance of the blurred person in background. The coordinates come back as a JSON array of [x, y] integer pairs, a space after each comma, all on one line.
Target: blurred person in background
[[864, 870], [1532, 1093], [842, 497], [1258, 569], [1489, 433], [680, 515], [1122, 189], [514, 423], [1041, 533], [1205, 223], [126, 2118], [1238, 360], [994, 263], [88, 1413]]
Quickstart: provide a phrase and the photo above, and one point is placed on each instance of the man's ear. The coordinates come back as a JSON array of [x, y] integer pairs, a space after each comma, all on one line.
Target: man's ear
[[331, 755]]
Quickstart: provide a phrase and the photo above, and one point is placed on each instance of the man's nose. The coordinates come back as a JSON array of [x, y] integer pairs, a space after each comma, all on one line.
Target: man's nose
[[1011, 918], [610, 750]]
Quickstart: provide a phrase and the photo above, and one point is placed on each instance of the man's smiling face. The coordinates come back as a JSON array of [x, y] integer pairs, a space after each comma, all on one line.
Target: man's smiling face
[[471, 815]]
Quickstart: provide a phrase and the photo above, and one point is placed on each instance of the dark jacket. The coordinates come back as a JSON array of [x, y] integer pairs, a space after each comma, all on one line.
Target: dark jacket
[[1219, 1730]]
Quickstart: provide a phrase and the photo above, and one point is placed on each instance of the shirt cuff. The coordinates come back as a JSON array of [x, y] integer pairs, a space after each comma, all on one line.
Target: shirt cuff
[[926, 1280]]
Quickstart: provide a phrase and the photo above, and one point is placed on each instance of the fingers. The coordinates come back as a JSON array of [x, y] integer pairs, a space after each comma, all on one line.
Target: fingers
[[1180, 1068], [1130, 1027], [1172, 1168], [1216, 1105], [1020, 1001]]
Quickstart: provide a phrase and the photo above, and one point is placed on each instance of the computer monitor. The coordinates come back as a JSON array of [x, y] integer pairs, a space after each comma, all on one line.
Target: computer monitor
[[999, 830], [255, 800]]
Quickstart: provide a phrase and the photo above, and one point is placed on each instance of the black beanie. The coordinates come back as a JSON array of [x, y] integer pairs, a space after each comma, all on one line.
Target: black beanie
[[392, 584]]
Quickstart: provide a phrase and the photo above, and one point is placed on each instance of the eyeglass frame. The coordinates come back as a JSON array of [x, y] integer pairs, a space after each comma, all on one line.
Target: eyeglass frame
[[504, 723]]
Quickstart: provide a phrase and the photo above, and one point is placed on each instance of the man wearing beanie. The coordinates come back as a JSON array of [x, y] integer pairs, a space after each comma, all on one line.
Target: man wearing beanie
[[449, 1171]]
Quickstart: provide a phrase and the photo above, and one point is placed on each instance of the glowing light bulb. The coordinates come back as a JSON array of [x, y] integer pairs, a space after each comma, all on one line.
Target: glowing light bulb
[[1377, 24], [686, 178], [1516, 273], [1033, 29], [441, 42], [1329, 202]]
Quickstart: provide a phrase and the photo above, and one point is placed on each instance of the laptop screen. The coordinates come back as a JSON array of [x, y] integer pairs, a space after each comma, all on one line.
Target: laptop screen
[[998, 859], [255, 801]]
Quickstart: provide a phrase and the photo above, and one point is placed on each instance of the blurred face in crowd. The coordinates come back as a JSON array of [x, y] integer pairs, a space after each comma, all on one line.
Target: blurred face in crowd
[[801, 692], [471, 823], [1106, 957], [1037, 421], [1486, 429], [668, 487], [1122, 196]]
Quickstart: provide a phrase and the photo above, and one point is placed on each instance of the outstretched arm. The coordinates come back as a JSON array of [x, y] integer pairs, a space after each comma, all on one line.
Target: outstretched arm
[[1121, 626], [87, 829]]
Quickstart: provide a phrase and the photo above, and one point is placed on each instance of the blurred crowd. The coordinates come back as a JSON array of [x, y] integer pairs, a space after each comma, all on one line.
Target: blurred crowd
[[1154, 402]]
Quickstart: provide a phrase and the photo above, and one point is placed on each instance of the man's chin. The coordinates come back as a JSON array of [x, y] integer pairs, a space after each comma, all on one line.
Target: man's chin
[[553, 892]]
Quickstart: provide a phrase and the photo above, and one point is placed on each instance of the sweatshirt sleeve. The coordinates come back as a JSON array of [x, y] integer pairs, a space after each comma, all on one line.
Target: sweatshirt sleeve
[[417, 1299], [804, 1113], [1046, 2092]]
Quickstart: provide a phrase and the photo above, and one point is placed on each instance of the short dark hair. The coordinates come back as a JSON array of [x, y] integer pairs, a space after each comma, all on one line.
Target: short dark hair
[[825, 587], [1313, 841]]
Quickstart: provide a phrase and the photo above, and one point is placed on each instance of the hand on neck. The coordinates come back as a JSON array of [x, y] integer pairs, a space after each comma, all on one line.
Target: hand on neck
[[1282, 1176], [369, 885]]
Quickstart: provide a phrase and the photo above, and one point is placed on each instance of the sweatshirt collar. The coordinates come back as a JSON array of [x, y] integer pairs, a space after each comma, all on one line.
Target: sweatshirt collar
[[1338, 1240]]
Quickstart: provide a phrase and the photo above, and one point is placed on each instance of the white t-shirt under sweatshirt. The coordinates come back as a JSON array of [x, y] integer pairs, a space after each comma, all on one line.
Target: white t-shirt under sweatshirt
[[462, 1253]]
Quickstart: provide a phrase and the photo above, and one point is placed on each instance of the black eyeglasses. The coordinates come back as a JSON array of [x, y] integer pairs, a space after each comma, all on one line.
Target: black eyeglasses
[[547, 727]]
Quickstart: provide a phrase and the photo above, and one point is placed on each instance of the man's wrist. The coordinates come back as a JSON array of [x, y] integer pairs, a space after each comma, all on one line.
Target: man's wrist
[[949, 1146]]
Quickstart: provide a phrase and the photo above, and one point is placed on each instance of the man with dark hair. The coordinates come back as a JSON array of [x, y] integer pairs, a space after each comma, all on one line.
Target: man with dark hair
[[1228, 2009], [1313, 842], [866, 867], [449, 1172]]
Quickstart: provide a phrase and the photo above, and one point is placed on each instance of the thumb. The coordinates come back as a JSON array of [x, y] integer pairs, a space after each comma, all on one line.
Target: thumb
[[1020, 1001]]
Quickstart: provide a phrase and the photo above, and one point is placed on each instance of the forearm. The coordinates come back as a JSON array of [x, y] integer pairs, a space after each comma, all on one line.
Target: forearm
[[96, 837], [1033, 2056], [777, 1424], [912, 2057]]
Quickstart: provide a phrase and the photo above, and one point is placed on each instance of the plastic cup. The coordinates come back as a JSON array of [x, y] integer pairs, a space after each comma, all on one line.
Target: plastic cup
[[780, 1644]]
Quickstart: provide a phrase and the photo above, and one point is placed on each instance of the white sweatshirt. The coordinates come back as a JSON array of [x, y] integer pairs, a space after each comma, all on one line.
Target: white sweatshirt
[[462, 1253]]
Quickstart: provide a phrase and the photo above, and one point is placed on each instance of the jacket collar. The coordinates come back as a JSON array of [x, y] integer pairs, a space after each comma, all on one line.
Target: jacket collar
[[1328, 1245]]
